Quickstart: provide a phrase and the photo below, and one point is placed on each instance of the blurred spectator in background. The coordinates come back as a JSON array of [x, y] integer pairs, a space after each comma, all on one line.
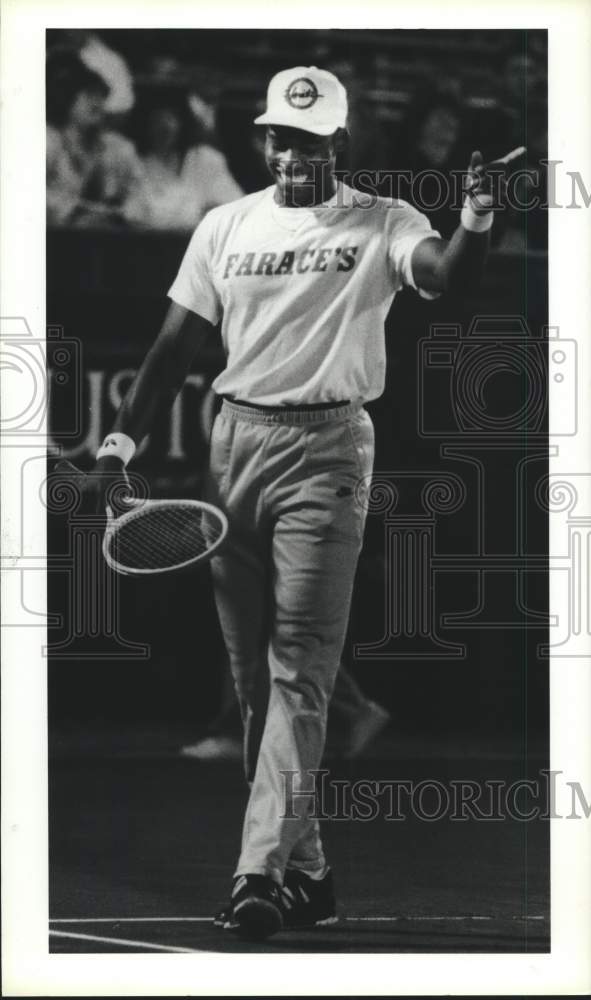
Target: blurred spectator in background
[[522, 99], [437, 134], [523, 79], [431, 145], [185, 174], [94, 176], [110, 65], [523, 228], [368, 138]]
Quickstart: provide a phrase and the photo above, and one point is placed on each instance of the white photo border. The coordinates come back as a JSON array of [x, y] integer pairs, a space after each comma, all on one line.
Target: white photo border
[[28, 968]]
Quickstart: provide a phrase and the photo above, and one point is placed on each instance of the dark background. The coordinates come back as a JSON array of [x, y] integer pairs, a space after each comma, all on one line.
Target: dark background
[[106, 294]]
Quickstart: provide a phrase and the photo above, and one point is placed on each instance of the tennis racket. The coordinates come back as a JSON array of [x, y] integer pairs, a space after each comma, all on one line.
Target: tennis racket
[[145, 537], [160, 536]]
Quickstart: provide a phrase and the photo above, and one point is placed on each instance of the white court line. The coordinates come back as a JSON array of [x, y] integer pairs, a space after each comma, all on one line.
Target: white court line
[[120, 941], [428, 919], [130, 920], [208, 920]]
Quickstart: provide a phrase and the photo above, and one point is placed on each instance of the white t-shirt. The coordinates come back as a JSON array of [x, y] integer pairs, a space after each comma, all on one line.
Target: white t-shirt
[[302, 293]]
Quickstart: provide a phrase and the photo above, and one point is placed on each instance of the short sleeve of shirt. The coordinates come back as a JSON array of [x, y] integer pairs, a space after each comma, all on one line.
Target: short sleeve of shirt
[[407, 228], [193, 286]]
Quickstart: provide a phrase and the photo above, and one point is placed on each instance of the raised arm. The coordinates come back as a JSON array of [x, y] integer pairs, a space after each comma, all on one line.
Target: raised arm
[[457, 265]]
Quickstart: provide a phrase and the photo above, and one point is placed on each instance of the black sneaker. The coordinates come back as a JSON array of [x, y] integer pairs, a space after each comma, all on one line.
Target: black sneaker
[[307, 902], [254, 910], [223, 919]]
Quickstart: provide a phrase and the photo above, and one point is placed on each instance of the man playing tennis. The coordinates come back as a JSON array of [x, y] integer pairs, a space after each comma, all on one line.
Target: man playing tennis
[[301, 276]]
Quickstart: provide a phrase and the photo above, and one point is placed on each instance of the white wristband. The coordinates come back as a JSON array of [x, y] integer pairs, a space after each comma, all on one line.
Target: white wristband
[[119, 445], [474, 222]]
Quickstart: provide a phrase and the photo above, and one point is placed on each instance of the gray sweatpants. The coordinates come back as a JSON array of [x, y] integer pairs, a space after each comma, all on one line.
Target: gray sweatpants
[[283, 582]]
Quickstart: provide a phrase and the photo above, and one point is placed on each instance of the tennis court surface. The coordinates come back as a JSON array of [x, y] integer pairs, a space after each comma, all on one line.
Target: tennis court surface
[[143, 843]]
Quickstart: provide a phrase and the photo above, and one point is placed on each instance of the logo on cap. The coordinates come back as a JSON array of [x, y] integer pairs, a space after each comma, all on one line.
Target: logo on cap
[[302, 93]]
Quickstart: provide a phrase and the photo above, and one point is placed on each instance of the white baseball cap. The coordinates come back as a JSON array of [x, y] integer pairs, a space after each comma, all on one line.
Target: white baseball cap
[[307, 98]]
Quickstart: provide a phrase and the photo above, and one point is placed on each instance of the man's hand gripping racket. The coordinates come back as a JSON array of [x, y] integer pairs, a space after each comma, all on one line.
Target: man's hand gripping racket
[[144, 536]]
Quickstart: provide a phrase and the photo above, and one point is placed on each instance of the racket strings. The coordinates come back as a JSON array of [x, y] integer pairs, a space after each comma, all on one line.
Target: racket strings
[[164, 536]]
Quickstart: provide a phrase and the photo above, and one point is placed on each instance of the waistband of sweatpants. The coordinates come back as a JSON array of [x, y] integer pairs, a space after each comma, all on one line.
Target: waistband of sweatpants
[[294, 415]]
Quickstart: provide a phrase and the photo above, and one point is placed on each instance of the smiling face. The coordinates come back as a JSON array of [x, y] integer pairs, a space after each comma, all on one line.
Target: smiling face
[[301, 164]]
